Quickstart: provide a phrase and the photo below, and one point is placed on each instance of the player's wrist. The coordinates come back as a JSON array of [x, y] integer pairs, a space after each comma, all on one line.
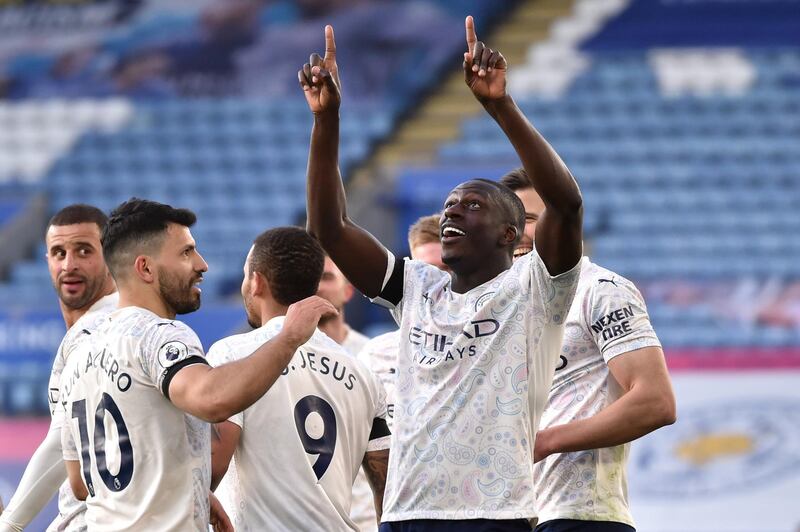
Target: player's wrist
[[327, 116]]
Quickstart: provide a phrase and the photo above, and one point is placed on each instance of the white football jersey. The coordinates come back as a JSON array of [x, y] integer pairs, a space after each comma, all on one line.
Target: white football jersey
[[146, 463], [354, 341], [380, 356], [303, 442], [473, 374], [70, 516], [362, 508], [608, 318]]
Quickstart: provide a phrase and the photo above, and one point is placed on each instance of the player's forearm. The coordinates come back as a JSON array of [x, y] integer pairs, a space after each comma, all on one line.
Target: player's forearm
[[638, 412], [231, 388], [40, 481], [550, 176], [325, 196], [376, 465]]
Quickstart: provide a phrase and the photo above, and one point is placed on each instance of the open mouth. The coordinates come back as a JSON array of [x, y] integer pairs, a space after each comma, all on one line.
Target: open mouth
[[451, 233], [72, 283], [522, 251], [196, 283]]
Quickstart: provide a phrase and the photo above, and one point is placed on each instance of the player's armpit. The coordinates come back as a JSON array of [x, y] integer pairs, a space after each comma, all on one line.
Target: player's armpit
[[224, 439], [376, 464], [75, 480]]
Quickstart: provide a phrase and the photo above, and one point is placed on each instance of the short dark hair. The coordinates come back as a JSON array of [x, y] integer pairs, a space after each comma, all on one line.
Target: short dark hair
[[517, 179], [291, 260], [137, 226], [510, 203], [79, 213]]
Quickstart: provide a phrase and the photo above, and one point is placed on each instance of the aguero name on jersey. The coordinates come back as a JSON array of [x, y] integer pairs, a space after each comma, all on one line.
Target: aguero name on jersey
[[146, 463], [70, 510], [608, 318], [303, 442], [473, 373]]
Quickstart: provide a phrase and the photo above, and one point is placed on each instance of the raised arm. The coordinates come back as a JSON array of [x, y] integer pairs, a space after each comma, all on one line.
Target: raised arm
[[215, 394], [559, 230], [357, 253]]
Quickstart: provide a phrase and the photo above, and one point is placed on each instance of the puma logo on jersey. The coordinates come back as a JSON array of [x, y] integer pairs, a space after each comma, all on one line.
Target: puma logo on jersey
[[601, 281]]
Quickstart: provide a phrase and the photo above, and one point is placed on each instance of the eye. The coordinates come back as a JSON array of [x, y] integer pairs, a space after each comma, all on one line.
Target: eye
[[449, 203], [474, 205], [84, 252]]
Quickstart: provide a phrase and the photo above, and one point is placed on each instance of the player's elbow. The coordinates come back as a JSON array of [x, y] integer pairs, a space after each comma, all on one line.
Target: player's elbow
[[664, 411], [217, 410]]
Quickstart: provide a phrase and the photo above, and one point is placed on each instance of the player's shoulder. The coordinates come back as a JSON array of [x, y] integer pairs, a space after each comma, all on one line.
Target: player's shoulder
[[237, 346], [382, 341], [598, 278]]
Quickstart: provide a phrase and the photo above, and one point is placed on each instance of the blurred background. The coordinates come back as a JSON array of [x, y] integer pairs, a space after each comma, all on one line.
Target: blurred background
[[679, 118]]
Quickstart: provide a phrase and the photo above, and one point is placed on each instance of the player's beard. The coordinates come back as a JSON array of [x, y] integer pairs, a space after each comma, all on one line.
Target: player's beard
[[249, 309], [178, 294], [91, 288]]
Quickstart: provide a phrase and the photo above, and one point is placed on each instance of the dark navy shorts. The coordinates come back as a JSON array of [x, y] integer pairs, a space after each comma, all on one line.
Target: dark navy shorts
[[463, 525], [573, 525]]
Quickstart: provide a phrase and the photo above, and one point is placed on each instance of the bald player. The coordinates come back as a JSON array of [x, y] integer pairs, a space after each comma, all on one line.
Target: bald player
[[611, 387], [380, 355], [86, 292]]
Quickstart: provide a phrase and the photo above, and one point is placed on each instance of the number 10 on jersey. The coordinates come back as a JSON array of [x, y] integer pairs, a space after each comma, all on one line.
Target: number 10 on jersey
[[113, 482]]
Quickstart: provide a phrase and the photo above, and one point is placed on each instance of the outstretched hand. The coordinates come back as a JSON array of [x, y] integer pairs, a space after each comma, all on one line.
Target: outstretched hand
[[484, 68], [319, 78]]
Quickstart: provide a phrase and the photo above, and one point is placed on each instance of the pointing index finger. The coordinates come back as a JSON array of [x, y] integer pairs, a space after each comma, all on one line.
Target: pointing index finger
[[469, 25], [330, 43]]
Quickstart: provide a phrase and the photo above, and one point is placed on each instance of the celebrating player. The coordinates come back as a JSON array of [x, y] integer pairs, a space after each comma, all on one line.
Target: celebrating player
[[611, 387], [380, 355], [86, 292], [134, 445], [319, 421], [479, 345]]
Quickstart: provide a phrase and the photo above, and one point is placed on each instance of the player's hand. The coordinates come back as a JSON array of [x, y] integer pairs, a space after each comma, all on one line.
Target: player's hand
[[303, 317], [319, 78], [219, 519], [484, 68]]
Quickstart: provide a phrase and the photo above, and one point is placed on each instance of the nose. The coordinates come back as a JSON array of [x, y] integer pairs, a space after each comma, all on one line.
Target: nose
[[452, 211], [203, 265], [70, 261]]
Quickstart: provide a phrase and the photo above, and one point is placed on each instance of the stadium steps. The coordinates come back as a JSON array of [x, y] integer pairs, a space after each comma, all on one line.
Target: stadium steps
[[439, 119]]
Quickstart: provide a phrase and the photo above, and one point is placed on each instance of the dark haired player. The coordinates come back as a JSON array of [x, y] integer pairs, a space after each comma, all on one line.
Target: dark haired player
[[479, 345], [86, 293], [138, 391], [317, 424], [611, 387]]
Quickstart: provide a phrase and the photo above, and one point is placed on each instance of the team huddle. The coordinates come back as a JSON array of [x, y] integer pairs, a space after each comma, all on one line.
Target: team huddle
[[506, 399]]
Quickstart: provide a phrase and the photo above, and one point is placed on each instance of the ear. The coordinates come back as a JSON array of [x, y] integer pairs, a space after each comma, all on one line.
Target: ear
[[349, 291], [145, 268], [510, 235], [259, 286]]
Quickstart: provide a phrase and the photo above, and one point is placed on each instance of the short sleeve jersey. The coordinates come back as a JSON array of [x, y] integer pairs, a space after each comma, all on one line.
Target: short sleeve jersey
[[145, 462], [70, 516], [303, 442], [473, 373], [608, 318]]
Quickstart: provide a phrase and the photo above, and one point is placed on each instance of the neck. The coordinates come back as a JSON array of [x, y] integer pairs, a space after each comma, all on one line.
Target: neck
[[271, 309], [335, 328], [144, 297], [464, 281], [71, 315]]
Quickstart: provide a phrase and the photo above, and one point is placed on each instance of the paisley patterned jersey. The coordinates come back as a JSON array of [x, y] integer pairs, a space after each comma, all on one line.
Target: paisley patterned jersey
[[607, 319], [473, 374]]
